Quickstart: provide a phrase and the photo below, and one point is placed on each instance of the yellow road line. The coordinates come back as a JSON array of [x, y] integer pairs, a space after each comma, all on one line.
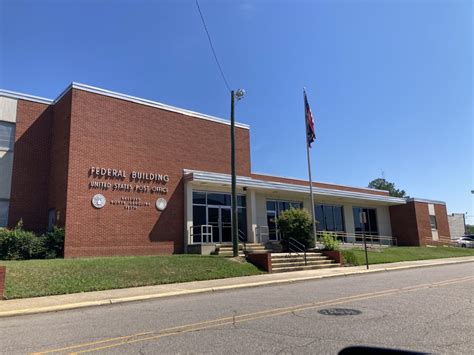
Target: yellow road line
[[245, 318], [165, 333], [90, 343]]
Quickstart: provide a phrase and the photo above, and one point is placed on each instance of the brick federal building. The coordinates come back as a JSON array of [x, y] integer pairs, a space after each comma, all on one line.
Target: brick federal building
[[117, 173]]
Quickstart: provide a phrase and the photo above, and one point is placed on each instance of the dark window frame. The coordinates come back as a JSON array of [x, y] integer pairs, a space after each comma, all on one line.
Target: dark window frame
[[322, 225], [433, 222], [11, 139], [370, 230]]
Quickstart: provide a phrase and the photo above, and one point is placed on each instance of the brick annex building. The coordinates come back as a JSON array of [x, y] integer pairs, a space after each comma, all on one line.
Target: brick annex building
[[118, 174]]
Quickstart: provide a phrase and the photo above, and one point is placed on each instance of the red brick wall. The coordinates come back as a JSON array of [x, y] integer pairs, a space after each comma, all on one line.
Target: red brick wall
[[31, 164], [261, 260], [423, 222], [442, 224], [319, 184], [112, 133], [411, 224], [59, 153], [404, 225]]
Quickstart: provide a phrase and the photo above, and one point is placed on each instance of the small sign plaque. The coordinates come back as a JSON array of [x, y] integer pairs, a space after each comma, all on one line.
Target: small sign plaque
[[98, 201], [161, 204]]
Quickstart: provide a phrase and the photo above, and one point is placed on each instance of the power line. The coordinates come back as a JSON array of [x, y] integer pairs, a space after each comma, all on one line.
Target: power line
[[212, 47]]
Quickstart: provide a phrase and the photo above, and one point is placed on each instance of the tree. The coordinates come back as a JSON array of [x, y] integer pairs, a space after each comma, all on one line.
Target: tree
[[382, 184], [469, 229], [296, 223]]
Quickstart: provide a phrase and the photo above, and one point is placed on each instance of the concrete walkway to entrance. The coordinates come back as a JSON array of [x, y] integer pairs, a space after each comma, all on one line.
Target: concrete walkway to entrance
[[98, 298]]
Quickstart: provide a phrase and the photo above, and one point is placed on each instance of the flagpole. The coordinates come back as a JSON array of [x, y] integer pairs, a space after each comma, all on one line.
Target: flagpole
[[309, 170]]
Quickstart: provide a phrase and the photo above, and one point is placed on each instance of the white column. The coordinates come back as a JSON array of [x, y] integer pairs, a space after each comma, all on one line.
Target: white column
[[251, 216], [188, 212], [307, 204], [383, 221], [349, 219], [8, 110]]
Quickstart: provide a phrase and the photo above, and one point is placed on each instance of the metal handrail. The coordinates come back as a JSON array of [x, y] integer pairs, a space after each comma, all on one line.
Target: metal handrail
[[354, 238], [297, 247], [205, 232]]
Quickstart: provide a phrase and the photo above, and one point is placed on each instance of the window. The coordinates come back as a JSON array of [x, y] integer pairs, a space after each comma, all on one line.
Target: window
[[199, 198], [370, 225], [274, 208], [218, 199], [7, 135], [213, 208], [3, 213], [433, 222], [329, 218], [278, 206]]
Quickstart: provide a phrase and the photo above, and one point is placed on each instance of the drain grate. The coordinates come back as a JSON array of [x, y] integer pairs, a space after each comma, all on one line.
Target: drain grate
[[339, 312]]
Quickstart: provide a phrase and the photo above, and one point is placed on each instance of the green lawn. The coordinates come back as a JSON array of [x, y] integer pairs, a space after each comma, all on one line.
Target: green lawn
[[391, 255], [31, 278]]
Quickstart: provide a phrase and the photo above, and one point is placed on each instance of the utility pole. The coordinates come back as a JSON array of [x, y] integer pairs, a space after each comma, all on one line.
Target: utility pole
[[235, 236]]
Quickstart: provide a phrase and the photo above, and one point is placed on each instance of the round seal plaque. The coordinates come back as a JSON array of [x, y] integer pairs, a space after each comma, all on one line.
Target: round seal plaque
[[161, 204], [98, 201]]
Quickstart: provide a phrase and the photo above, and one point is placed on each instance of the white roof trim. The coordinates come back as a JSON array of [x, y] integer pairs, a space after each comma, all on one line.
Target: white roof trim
[[317, 182], [19, 96], [139, 100], [243, 181], [415, 199], [120, 96]]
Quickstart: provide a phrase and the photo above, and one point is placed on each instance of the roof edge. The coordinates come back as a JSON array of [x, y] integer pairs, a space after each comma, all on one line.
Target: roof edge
[[251, 182], [318, 182], [425, 200], [20, 96], [120, 96]]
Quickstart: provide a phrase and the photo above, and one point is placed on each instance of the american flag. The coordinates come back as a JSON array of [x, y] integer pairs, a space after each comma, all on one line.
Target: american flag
[[310, 132]]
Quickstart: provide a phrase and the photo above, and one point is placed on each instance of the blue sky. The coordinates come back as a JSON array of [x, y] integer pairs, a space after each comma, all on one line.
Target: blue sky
[[389, 82]]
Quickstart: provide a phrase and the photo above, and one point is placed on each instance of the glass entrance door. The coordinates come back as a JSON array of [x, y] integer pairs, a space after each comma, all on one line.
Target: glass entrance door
[[213, 220], [226, 225], [271, 223], [220, 218]]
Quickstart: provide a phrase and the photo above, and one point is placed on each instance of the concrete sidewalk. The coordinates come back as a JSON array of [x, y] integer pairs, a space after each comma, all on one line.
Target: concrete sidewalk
[[98, 298]]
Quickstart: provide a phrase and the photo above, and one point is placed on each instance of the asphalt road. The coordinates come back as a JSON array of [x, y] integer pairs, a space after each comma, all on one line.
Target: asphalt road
[[426, 309]]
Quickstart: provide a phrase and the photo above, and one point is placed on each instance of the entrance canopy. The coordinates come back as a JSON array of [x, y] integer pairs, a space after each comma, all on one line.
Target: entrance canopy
[[262, 198], [209, 178]]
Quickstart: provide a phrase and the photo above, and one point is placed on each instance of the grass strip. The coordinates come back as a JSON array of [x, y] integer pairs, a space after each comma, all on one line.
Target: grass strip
[[396, 254], [32, 278]]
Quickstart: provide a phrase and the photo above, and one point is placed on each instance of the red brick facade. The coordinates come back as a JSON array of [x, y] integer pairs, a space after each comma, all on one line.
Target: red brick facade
[[411, 224], [57, 145], [31, 165]]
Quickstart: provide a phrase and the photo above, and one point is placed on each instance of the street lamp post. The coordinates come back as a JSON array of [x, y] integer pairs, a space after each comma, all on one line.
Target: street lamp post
[[235, 239]]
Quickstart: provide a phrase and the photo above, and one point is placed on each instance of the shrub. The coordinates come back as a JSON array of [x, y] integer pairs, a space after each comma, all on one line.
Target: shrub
[[297, 224], [329, 240], [18, 244], [53, 242], [349, 257]]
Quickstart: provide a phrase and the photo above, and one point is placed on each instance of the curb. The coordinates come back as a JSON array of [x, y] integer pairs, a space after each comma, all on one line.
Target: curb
[[69, 306]]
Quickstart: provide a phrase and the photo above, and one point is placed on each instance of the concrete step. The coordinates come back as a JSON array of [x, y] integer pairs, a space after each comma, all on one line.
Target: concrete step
[[284, 255], [302, 268], [248, 248], [297, 258], [241, 246], [301, 263]]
